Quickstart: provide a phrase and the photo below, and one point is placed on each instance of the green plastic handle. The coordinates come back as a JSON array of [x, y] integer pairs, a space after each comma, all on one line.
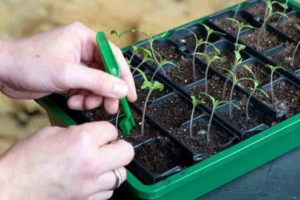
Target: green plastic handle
[[107, 55], [111, 66]]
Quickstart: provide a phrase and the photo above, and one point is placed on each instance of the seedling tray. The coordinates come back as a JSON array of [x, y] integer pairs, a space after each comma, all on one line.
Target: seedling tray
[[169, 164]]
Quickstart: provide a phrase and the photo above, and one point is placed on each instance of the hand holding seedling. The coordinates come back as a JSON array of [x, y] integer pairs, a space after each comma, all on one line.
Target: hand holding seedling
[[65, 163], [63, 59]]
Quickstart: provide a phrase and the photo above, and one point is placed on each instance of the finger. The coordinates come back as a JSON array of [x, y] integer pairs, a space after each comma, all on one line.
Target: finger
[[92, 101], [126, 74], [120, 154], [108, 181], [76, 102], [76, 76], [101, 132], [17, 94], [101, 195], [111, 106]]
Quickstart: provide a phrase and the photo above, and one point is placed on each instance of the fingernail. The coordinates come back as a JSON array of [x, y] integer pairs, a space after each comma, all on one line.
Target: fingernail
[[120, 89]]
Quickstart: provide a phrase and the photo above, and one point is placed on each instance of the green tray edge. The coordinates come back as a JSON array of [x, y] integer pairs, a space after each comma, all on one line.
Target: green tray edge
[[237, 160]]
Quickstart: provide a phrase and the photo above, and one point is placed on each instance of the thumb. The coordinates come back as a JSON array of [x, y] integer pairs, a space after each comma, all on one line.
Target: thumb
[[97, 81]]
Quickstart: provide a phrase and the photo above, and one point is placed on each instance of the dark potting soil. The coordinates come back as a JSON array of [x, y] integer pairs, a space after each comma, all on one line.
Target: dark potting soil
[[142, 93], [259, 9], [229, 26], [261, 40], [171, 112], [190, 42], [98, 114], [227, 61], [285, 57], [291, 27], [167, 51], [261, 72], [149, 131], [215, 89], [160, 155], [238, 119], [219, 138], [286, 98], [183, 74]]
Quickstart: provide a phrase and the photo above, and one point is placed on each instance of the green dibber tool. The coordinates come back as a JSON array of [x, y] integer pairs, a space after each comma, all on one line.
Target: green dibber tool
[[111, 66]]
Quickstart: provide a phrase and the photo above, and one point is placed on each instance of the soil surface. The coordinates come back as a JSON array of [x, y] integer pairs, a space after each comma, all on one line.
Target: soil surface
[[291, 27], [183, 74], [215, 89], [160, 155], [238, 120], [285, 57], [167, 51], [259, 9], [189, 42], [287, 102], [171, 112], [260, 40], [228, 59], [149, 130], [229, 26], [219, 138], [98, 114]]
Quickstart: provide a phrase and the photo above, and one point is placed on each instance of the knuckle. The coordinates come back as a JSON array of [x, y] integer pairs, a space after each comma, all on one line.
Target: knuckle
[[109, 128], [81, 135], [103, 81], [63, 80], [77, 25]]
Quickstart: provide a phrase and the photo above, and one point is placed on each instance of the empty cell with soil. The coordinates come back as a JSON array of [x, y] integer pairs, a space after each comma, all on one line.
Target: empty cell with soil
[[171, 112], [160, 155]]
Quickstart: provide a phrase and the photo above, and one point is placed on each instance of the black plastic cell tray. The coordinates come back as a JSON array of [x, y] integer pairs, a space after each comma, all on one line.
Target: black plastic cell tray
[[178, 41]]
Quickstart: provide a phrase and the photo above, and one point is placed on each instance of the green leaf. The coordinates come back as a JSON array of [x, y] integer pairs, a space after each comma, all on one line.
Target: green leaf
[[158, 86], [264, 93], [195, 101], [147, 85], [114, 32]]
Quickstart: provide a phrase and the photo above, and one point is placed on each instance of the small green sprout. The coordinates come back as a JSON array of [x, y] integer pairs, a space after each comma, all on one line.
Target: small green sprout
[[209, 60], [273, 70], [235, 80], [151, 86], [241, 26], [295, 51], [155, 56], [255, 90], [269, 12], [237, 62], [215, 104], [195, 102], [199, 42]]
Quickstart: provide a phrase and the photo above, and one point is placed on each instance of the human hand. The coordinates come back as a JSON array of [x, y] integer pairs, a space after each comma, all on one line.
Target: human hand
[[64, 59], [65, 163]]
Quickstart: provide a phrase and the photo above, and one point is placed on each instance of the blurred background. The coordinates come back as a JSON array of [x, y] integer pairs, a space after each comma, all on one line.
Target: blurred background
[[19, 18]]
